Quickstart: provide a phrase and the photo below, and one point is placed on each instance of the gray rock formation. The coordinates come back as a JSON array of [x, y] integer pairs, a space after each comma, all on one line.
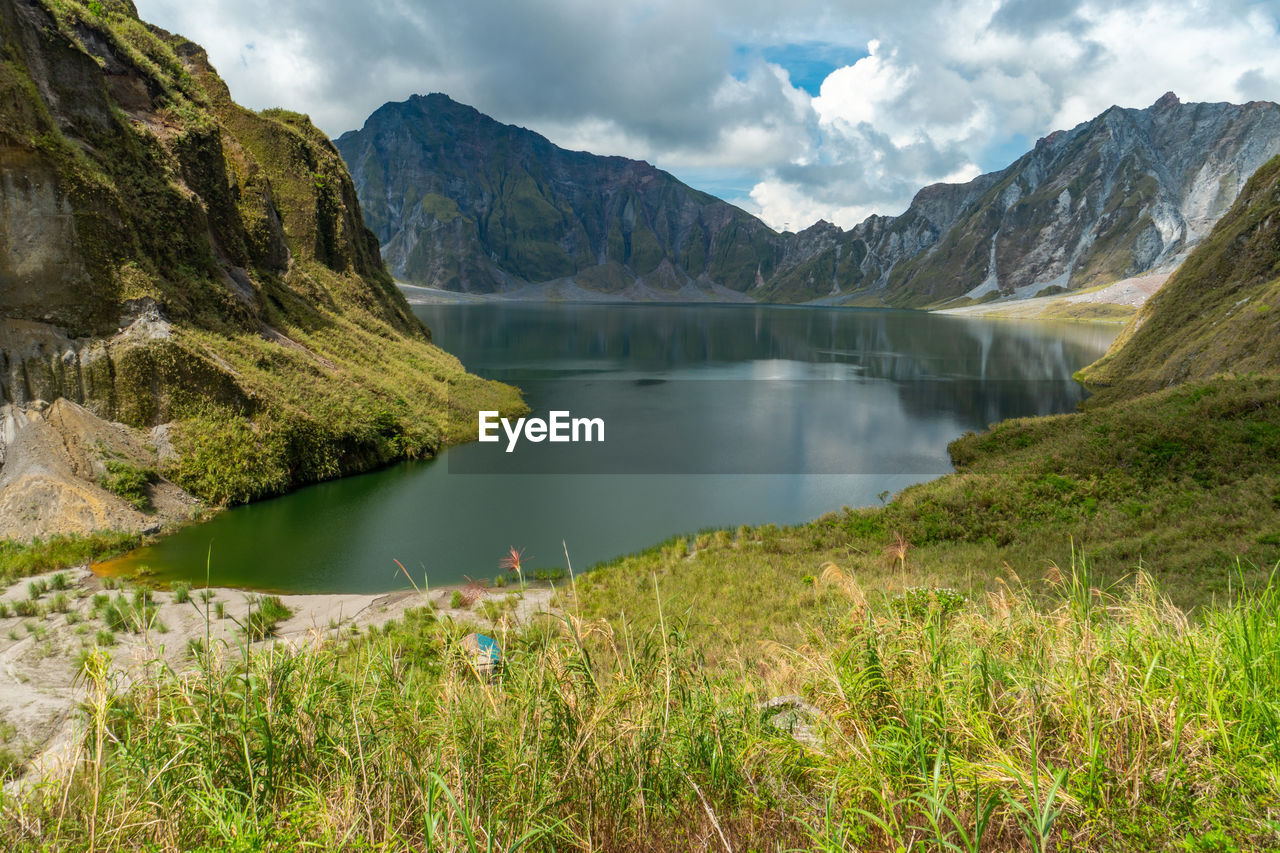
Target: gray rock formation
[[462, 202], [1129, 192]]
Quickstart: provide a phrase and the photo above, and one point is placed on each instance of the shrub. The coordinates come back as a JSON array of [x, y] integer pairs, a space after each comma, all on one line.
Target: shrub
[[129, 482], [919, 602], [226, 459], [135, 615], [264, 615]]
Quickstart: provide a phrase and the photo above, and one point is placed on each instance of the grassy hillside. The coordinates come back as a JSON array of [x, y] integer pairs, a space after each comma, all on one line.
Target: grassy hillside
[[1183, 484], [207, 267], [1220, 313], [1077, 720]]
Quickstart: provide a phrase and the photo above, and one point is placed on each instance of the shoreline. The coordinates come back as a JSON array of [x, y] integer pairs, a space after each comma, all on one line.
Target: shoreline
[[39, 687], [1112, 304], [117, 564], [40, 653]]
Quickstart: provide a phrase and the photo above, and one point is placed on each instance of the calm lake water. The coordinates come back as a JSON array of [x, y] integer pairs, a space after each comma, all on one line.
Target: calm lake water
[[714, 416]]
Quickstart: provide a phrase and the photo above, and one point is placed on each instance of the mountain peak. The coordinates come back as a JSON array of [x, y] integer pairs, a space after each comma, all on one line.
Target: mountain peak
[[466, 203]]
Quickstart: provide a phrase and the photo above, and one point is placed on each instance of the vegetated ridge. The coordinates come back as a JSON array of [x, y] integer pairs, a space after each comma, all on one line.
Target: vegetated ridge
[[195, 271], [1219, 314], [462, 202]]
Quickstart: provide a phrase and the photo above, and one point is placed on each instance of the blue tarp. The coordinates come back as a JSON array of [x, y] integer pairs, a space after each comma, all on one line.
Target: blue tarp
[[489, 646]]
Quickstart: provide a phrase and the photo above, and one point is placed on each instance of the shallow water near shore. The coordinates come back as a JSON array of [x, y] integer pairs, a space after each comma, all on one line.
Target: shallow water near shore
[[714, 416]]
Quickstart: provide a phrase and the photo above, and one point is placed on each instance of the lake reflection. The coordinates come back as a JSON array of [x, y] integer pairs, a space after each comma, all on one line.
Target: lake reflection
[[715, 416]]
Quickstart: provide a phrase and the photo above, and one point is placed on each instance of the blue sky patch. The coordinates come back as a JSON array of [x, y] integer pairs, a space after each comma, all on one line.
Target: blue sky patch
[[732, 185], [808, 63], [1002, 152]]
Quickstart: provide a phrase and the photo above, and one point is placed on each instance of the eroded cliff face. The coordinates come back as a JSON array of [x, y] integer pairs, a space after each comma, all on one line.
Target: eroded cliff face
[[53, 459], [167, 256], [1129, 192], [462, 202], [129, 188], [1218, 314]]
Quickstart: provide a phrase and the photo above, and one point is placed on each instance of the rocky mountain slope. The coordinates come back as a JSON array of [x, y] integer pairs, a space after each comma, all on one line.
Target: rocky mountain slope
[[180, 264], [1218, 314], [1115, 197], [462, 202]]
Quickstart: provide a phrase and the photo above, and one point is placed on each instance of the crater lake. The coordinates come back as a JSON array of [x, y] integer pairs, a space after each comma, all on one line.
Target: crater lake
[[715, 416]]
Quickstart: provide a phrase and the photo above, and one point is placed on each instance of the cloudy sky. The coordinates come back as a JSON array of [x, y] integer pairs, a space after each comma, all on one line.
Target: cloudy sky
[[796, 111]]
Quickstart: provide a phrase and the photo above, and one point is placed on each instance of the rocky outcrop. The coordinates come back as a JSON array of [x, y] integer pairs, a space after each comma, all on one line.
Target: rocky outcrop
[[462, 202], [170, 257], [1129, 192], [53, 459]]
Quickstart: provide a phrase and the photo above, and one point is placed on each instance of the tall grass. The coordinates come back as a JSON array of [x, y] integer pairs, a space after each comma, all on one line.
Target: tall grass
[[19, 559], [1104, 721]]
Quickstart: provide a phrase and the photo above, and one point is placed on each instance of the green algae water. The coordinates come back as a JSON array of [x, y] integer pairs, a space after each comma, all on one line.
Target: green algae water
[[714, 416]]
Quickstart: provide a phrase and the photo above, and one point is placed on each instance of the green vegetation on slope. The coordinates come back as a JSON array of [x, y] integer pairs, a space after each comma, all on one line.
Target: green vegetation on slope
[[129, 482], [41, 555], [1183, 483], [270, 338], [1219, 313]]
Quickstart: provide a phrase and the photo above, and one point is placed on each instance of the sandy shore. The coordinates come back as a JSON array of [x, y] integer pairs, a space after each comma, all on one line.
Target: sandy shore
[[40, 653], [1124, 296]]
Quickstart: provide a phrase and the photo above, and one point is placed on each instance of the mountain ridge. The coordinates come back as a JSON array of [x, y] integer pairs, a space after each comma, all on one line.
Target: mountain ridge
[[537, 212], [1136, 199], [1219, 314]]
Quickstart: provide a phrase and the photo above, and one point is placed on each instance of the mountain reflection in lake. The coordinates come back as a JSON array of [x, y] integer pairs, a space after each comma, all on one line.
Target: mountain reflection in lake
[[715, 416]]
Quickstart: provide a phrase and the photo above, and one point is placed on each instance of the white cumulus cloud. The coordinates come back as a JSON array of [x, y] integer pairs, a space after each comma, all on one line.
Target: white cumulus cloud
[[928, 90]]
